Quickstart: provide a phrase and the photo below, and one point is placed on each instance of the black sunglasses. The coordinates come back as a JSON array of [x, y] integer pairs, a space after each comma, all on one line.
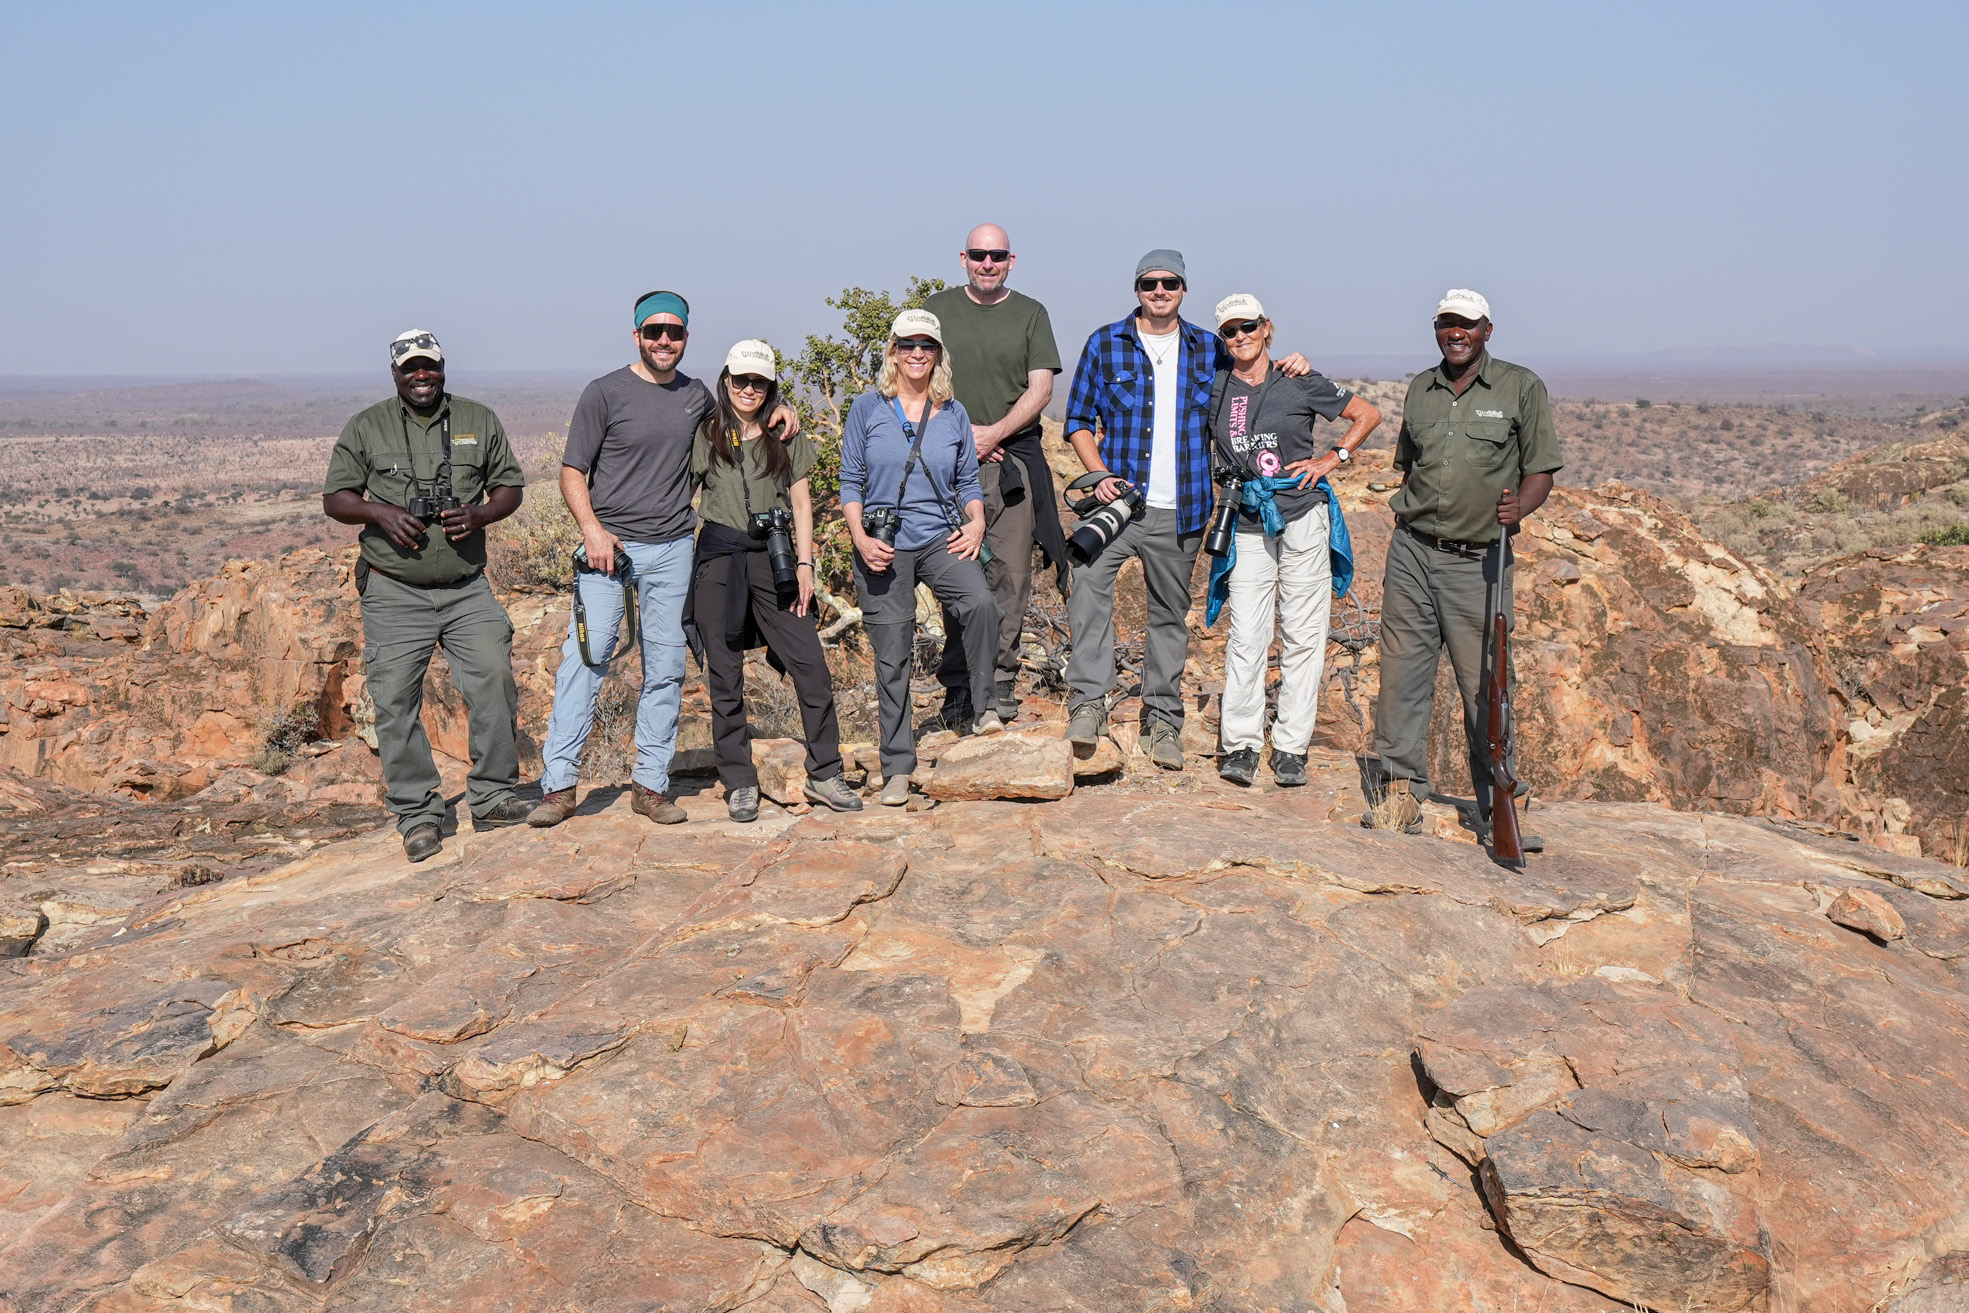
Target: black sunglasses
[[1230, 332], [905, 346], [656, 332], [1166, 284], [979, 257], [750, 383]]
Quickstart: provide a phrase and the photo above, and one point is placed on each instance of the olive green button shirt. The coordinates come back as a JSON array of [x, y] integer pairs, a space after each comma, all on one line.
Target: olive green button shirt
[[724, 496], [1461, 452], [387, 449]]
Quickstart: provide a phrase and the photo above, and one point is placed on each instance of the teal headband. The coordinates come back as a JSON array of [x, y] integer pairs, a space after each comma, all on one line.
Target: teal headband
[[662, 303]]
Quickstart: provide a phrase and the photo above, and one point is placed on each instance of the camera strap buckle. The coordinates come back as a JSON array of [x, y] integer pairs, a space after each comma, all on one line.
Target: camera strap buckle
[[623, 572]]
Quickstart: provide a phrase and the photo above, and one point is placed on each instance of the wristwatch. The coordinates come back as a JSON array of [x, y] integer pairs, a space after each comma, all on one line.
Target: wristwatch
[[1343, 454]]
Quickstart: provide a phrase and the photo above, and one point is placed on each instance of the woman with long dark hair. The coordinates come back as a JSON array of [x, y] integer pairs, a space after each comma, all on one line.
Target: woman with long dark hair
[[757, 508]]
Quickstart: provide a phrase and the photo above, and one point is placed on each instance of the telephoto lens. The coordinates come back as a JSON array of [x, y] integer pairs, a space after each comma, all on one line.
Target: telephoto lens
[[779, 551], [1100, 525], [1223, 521]]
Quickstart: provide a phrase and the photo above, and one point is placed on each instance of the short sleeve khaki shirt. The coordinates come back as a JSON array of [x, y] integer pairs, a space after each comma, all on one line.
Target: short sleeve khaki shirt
[[1461, 452], [386, 450]]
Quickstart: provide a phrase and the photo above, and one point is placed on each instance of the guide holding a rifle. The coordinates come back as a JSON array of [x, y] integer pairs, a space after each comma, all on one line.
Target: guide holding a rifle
[[1478, 450]]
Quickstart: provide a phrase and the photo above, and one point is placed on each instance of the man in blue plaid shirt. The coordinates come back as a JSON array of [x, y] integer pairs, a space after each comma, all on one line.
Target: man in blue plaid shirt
[[1143, 384]]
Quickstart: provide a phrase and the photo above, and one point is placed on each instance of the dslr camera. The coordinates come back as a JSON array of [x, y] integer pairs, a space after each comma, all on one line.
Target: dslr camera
[[776, 527], [881, 523], [1100, 525]]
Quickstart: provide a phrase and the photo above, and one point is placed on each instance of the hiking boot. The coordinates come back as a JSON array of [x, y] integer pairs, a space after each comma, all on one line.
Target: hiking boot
[[1165, 745], [421, 841], [834, 793], [1397, 810], [656, 806], [1288, 769], [555, 807], [510, 812], [1008, 704], [1239, 766], [957, 714], [1085, 725], [895, 791], [742, 804], [989, 723]]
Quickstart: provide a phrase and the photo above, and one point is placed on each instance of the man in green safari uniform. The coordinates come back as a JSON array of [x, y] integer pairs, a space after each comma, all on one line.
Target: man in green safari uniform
[[423, 474], [1477, 451]]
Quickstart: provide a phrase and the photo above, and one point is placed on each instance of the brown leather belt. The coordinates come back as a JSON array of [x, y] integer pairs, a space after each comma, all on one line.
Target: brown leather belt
[[1444, 544]]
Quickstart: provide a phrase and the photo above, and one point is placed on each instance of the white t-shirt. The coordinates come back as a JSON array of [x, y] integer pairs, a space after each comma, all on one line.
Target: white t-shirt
[[1162, 352]]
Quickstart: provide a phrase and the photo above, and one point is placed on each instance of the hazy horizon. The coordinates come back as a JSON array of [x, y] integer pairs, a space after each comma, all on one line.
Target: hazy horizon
[[248, 192]]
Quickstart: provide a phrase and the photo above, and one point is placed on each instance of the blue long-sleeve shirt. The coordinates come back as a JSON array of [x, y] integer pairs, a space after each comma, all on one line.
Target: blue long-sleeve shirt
[[874, 450], [1113, 395]]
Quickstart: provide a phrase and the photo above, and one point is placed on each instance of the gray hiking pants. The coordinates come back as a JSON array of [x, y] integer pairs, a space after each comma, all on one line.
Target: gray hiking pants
[[1168, 562]]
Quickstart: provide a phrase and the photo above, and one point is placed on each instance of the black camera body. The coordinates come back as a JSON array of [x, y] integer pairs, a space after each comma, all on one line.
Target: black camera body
[[430, 507], [1101, 524], [881, 523], [1223, 520], [776, 527]]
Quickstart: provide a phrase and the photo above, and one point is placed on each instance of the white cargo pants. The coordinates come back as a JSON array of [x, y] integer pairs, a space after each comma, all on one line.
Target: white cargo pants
[[1291, 572]]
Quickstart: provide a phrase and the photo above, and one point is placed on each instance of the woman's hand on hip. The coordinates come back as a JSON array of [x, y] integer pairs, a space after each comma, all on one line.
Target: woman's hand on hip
[[966, 541]]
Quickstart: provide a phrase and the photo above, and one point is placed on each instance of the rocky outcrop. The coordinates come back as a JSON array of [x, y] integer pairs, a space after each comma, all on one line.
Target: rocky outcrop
[[1121, 1051], [1652, 664], [1889, 477], [1897, 626]]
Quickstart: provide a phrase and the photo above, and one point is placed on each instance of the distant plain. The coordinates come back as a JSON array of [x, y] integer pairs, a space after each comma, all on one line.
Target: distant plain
[[138, 485]]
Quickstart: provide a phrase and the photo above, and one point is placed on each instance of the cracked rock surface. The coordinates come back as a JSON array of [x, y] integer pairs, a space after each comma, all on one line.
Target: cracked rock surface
[[1116, 1052]]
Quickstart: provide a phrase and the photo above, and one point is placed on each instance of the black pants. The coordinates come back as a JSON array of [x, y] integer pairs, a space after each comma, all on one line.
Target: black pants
[[794, 640]]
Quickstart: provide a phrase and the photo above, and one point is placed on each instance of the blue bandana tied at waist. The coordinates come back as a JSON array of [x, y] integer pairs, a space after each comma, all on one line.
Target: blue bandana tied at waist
[[1259, 499]]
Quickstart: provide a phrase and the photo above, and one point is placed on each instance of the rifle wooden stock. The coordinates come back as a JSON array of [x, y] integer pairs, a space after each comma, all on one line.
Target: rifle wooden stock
[[1506, 844]]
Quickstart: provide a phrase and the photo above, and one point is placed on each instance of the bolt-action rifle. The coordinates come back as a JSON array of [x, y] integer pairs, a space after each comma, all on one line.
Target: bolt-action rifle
[[1506, 845]]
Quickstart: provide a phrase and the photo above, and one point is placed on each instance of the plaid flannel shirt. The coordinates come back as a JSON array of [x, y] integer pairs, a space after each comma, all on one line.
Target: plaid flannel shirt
[[1113, 396]]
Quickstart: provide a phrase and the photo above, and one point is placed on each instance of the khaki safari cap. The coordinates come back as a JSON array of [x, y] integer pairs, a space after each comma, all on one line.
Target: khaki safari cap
[[751, 356], [416, 342], [1238, 305], [912, 323], [1463, 302]]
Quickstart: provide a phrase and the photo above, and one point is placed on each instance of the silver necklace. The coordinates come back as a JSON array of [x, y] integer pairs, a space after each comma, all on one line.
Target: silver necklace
[[1161, 358]]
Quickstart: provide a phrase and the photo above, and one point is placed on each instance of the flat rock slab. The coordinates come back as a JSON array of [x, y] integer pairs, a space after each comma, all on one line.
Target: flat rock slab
[[1122, 1051]]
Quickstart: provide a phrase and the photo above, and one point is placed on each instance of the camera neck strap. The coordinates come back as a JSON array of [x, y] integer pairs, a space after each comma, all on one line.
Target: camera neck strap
[[915, 437], [951, 513], [443, 471]]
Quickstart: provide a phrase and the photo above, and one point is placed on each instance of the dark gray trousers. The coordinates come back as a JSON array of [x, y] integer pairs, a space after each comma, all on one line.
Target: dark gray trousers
[[1432, 599], [401, 627], [888, 616], [1008, 529], [1168, 562]]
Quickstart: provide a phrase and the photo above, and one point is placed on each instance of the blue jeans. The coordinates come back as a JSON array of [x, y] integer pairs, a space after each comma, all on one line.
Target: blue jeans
[[662, 576]]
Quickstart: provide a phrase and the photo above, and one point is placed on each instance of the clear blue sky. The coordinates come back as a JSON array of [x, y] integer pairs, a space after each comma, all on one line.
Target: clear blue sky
[[220, 188]]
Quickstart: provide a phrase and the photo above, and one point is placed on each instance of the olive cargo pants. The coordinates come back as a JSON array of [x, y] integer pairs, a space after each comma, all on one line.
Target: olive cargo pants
[[401, 627], [1432, 599]]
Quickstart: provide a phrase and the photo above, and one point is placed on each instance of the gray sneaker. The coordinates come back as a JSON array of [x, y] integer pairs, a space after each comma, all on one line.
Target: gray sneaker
[[989, 723], [1288, 769], [833, 793], [742, 804], [1165, 743], [1008, 702], [1085, 725], [895, 791], [1239, 766]]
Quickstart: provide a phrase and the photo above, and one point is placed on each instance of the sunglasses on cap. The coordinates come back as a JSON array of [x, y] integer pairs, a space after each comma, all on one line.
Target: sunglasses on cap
[[656, 332], [1166, 284], [909, 346], [977, 256], [1231, 332], [750, 383]]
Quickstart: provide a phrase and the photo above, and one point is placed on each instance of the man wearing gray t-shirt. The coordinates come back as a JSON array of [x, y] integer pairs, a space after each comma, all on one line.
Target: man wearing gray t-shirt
[[625, 475]]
